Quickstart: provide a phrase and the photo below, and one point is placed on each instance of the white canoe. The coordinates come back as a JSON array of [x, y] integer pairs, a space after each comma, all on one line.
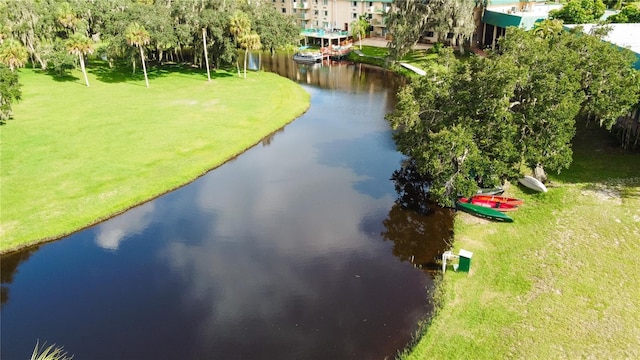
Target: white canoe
[[533, 183]]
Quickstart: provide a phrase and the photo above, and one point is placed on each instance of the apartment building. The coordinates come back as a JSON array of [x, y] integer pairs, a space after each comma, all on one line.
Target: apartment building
[[336, 14], [500, 14]]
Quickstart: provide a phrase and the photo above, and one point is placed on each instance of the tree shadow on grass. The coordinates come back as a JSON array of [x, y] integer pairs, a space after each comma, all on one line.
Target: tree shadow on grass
[[183, 69], [121, 72], [61, 77], [601, 163], [419, 56], [617, 188]]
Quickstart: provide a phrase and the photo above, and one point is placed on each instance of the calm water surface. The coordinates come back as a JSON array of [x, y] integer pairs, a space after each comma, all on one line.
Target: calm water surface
[[294, 250]]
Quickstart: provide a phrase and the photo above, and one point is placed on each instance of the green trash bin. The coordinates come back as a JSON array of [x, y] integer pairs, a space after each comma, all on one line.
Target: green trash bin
[[464, 260]]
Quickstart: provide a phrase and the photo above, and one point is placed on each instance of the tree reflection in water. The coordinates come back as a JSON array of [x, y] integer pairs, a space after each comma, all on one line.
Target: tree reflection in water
[[420, 229], [9, 267]]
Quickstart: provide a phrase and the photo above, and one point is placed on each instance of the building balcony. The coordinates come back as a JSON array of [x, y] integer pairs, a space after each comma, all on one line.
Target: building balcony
[[304, 17], [378, 9], [303, 6], [378, 22]]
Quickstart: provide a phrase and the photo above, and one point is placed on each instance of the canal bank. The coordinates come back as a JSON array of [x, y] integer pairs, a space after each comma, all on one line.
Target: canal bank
[[543, 286], [299, 238], [559, 282], [73, 157]]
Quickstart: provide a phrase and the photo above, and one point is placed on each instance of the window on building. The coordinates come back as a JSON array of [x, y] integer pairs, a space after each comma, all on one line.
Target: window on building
[[354, 15], [429, 34], [294, 11], [315, 23], [354, 3], [316, 12], [325, 24], [284, 10], [370, 3], [325, 2], [326, 13], [449, 35]]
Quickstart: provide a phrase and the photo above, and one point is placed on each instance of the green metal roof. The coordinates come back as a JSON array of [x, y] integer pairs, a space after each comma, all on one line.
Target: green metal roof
[[509, 2], [503, 20]]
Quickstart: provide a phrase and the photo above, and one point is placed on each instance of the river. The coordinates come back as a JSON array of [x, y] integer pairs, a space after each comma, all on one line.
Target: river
[[296, 249]]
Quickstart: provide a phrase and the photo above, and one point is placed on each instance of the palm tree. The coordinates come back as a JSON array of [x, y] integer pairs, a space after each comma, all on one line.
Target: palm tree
[[66, 16], [206, 55], [80, 45], [13, 54], [137, 35], [359, 29], [239, 25], [250, 42]]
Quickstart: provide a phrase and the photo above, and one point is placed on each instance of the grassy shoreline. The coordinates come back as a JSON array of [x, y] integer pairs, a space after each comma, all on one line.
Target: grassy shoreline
[[75, 156], [561, 281]]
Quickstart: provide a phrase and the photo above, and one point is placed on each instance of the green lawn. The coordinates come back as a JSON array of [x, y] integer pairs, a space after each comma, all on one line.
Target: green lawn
[[373, 51], [559, 282], [419, 58], [75, 155]]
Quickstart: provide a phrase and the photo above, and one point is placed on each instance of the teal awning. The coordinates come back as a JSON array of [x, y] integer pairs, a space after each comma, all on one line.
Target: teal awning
[[504, 20], [511, 2]]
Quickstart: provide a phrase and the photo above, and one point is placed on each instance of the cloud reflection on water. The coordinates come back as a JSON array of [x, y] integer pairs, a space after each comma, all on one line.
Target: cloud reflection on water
[[111, 233], [286, 251]]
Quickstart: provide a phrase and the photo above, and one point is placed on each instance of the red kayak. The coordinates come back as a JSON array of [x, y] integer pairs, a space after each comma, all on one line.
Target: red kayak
[[500, 199], [490, 204]]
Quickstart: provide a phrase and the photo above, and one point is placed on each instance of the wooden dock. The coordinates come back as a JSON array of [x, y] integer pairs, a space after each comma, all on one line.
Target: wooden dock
[[414, 69]]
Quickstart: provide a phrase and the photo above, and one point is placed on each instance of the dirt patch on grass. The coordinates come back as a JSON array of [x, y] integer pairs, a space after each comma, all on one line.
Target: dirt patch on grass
[[9, 226], [603, 192], [186, 102], [473, 243], [212, 102], [472, 220]]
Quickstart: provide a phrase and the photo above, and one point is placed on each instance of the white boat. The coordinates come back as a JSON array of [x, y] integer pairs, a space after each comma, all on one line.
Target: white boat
[[533, 183], [491, 191], [307, 57]]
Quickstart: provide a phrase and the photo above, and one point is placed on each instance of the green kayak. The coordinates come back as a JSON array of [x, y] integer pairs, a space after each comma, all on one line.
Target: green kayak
[[483, 211]]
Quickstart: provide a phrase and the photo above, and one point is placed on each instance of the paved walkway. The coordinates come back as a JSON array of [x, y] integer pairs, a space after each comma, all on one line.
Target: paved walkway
[[479, 52]]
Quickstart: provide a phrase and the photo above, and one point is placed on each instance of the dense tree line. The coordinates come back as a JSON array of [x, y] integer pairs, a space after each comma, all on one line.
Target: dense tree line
[[591, 11], [9, 92], [628, 14], [579, 12], [57, 35], [174, 28], [482, 121]]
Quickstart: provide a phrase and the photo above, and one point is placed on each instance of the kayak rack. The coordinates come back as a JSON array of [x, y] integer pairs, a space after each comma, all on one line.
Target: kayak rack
[[448, 256]]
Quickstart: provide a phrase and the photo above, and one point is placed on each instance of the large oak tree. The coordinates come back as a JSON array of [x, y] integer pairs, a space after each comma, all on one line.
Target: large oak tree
[[481, 122], [409, 19]]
